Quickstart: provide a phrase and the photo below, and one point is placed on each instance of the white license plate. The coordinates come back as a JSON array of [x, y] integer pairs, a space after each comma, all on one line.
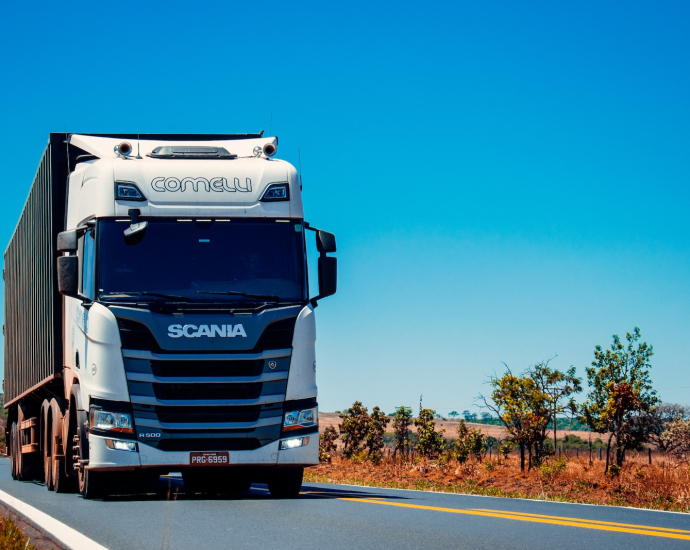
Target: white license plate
[[209, 459]]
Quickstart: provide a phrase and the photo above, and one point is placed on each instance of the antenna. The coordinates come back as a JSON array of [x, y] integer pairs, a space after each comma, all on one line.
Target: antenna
[[138, 155], [299, 160]]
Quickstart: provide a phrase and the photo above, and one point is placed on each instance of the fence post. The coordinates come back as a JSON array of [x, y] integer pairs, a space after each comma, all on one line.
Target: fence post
[[560, 449], [649, 450], [599, 453]]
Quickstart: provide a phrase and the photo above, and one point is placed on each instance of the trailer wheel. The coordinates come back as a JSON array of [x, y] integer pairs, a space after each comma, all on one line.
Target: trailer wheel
[[13, 450], [285, 482], [45, 445]]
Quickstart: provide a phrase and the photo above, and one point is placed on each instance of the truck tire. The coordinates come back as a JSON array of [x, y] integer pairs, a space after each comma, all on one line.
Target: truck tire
[[285, 482], [58, 473], [45, 445], [13, 450], [93, 485]]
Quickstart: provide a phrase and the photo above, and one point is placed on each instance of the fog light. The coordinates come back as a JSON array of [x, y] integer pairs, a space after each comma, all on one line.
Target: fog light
[[286, 444], [118, 445]]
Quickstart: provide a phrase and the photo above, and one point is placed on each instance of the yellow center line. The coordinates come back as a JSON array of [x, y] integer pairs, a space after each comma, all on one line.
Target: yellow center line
[[564, 521], [584, 520]]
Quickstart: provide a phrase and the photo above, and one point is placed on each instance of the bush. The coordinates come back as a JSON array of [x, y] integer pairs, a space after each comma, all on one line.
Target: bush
[[376, 428], [353, 428], [402, 419], [327, 444], [550, 469], [470, 442]]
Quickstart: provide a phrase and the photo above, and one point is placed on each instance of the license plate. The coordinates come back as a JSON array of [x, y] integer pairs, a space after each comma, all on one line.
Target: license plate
[[209, 459]]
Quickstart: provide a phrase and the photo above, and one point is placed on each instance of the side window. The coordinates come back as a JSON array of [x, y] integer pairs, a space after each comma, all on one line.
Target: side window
[[87, 269]]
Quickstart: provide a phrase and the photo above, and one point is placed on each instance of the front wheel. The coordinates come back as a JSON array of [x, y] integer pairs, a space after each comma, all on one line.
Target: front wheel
[[286, 482], [93, 485]]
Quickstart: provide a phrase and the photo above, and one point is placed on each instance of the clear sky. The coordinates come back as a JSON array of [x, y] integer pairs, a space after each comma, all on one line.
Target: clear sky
[[508, 181]]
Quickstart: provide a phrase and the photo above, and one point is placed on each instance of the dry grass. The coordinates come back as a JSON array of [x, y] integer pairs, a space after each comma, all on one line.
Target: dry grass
[[663, 485], [12, 537]]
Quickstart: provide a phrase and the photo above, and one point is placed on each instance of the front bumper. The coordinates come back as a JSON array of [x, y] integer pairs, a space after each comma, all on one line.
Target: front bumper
[[103, 458]]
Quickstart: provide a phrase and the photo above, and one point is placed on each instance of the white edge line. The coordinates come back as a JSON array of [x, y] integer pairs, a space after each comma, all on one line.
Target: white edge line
[[63, 533]]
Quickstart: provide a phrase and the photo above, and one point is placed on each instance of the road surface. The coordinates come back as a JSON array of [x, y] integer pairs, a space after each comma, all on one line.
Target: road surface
[[339, 516]]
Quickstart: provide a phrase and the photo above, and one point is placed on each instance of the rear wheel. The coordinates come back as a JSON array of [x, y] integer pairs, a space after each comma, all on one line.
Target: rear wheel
[[13, 450], [285, 482], [45, 445]]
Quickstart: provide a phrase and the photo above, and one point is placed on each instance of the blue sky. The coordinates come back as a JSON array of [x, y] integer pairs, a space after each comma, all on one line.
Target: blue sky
[[507, 181]]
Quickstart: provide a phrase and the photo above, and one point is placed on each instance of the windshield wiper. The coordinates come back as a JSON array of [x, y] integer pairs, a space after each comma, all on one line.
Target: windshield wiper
[[154, 294], [237, 293]]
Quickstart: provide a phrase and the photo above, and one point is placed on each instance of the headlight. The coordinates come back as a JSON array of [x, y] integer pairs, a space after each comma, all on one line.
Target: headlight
[[111, 421], [294, 420]]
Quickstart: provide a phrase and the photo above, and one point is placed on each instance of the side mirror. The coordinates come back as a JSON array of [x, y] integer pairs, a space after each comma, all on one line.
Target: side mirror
[[325, 242], [67, 241], [135, 232], [68, 275], [328, 267], [328, 276]]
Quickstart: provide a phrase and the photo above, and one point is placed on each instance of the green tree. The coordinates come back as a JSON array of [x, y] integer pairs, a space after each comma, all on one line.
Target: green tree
[[558, 387], [523, 410], [429, 442], [375, 432], [353, 428], [621, 394], [402, 420], [453, 414]]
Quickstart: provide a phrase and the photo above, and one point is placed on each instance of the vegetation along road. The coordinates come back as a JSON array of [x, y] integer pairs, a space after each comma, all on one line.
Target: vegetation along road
[[339, 516]]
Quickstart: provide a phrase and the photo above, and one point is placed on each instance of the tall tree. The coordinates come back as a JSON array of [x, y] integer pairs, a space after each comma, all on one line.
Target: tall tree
[[621, 394], [523, 410], [559, 387]]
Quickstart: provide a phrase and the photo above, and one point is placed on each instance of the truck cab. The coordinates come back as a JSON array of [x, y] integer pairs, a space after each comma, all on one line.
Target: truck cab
[[188, 332]]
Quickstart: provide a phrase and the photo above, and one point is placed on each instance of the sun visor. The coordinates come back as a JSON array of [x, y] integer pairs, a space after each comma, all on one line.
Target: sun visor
[[105, 147]]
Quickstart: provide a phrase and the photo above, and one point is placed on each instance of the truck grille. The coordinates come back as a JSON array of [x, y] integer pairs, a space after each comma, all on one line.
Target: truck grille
[[210, 392], [176, 394], [191, 369], [179, 415]]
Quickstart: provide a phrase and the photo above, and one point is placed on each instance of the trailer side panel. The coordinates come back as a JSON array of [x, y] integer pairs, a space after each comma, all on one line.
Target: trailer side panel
[[33, 306]]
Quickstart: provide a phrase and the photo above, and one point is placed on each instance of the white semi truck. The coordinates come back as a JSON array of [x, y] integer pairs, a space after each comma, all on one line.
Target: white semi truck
[[157, 316]]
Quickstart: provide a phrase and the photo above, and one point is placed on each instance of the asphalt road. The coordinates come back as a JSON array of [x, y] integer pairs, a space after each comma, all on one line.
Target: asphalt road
[[339, 516]]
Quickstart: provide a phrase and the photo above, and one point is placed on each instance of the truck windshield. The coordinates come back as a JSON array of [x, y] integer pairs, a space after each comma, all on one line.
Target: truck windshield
[[246, 261]]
